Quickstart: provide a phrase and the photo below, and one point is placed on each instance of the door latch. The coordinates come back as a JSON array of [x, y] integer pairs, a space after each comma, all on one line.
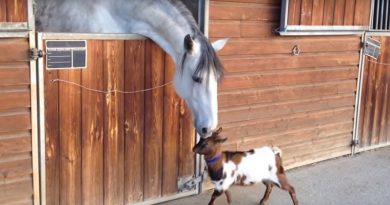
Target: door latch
[[35, 53]]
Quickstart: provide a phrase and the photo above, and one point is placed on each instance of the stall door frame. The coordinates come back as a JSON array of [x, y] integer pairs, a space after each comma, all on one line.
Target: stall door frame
[[41, 37], [359, 147]]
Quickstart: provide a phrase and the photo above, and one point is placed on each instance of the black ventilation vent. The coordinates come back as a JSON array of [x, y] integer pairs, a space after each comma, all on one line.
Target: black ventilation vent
[[380, 15]]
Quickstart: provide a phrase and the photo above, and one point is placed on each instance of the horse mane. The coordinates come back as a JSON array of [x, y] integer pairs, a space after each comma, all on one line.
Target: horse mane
[[208, 60]]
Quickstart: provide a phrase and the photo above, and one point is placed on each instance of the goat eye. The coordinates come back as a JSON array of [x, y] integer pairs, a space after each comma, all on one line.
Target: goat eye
[[197, 79]]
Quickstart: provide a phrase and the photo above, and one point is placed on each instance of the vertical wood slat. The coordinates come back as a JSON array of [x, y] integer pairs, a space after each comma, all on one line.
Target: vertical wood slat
[[349, 12], [92, 126], [339, 10], [329, 6], [294, 12], [318, 12], [70, 138], [187, 139], [154, 76], [362, 12], [113, 63], [306, 12], [134, 121], [171, 133], [52, 139], [16, 10], [3, 11]]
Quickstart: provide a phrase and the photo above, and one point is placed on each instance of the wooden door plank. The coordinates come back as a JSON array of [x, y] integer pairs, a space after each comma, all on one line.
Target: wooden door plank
[[187, 139], [294, 12], [134, 121], [16, 10], [363, 137], [3, 11], [318, 12], [362, 13], [349, 12], [171, 132], [52, 138], [306, 12], [92, 126], [339, 14], [328, 12], [154, 76], [70, 138], [113, 63]]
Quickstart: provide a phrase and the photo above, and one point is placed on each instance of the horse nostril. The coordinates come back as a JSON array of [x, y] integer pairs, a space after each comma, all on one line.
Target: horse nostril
[[204, 130]]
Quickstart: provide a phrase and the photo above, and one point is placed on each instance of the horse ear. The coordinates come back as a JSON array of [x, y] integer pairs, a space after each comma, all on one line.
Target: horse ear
[[221, 140], [219, 44], [188, 43]]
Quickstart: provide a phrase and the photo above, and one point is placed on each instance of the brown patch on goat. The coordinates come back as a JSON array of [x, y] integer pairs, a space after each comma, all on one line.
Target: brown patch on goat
[[235, 157], [233, 172]]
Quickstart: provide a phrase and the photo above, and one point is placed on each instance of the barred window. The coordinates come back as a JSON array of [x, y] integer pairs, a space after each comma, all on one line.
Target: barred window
[[380, 15]]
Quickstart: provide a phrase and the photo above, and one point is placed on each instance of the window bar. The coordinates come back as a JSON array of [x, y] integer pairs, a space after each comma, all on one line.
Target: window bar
[[387, 15], [382, 15], [377, 15]]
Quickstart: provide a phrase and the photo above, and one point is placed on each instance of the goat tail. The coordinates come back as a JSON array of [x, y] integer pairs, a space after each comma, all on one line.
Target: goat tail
[[277, 150]]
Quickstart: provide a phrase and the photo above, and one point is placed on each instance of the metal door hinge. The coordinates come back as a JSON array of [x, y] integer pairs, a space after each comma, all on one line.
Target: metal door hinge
[[35, 53], [372, 48], [355, 142]]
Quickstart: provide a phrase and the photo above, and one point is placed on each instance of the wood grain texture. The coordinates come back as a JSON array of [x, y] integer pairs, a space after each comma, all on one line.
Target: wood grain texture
[[294, 14], [306, 12], [374, 119], [52, 139], [134, 108], [3, 11], [362, 12], [70, 139], [17, 50], [329, 6], [339, 12], [154, 76], [113, 64], [16, 10], [318, 12], [92, 126], [171, 135], [349, 12]]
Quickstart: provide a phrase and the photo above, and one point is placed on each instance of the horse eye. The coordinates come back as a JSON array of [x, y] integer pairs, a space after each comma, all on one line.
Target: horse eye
[[197, 79]]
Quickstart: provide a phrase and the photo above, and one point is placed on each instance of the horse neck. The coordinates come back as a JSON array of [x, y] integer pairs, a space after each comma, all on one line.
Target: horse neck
[[162, 22]]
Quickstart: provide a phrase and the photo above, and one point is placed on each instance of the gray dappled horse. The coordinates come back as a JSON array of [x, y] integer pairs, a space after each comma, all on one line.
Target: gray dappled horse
[[169, 24]]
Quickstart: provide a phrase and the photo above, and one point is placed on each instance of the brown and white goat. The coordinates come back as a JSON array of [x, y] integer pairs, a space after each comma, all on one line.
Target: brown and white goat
[[243, 168]]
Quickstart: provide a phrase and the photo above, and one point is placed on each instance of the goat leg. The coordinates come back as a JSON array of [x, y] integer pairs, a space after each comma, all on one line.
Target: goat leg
[[267, 192], [215, 195], [228, 196]]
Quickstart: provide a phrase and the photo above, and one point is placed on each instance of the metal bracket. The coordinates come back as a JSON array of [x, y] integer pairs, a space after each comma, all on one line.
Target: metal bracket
[[188, 183], [35, 53], [372, 48], [355, 142]]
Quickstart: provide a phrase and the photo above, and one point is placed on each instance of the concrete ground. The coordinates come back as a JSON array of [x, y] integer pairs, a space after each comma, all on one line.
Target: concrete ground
[[363, 179]]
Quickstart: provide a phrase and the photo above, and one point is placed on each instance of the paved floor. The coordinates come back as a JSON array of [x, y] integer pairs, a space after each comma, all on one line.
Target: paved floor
[[363, 179]]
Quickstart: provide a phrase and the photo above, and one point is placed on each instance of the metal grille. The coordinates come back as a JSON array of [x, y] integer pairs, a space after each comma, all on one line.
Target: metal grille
[[380, 15]]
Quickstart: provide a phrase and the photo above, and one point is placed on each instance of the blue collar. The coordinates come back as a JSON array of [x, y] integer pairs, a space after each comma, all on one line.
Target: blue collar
[[214, 159]]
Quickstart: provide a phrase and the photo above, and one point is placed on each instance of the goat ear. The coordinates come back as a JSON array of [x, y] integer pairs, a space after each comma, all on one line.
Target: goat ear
[[188, 43], [219, 130], [220, 140]]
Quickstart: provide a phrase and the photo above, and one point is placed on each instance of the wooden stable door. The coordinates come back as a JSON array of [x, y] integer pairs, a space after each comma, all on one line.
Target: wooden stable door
[[374, 122], [116, 148]]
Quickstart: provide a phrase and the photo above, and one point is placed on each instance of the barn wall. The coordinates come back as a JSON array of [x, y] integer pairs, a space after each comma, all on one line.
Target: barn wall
[[303, 104], [16, 186], [13, 10], [329, 12], [116, 148]]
